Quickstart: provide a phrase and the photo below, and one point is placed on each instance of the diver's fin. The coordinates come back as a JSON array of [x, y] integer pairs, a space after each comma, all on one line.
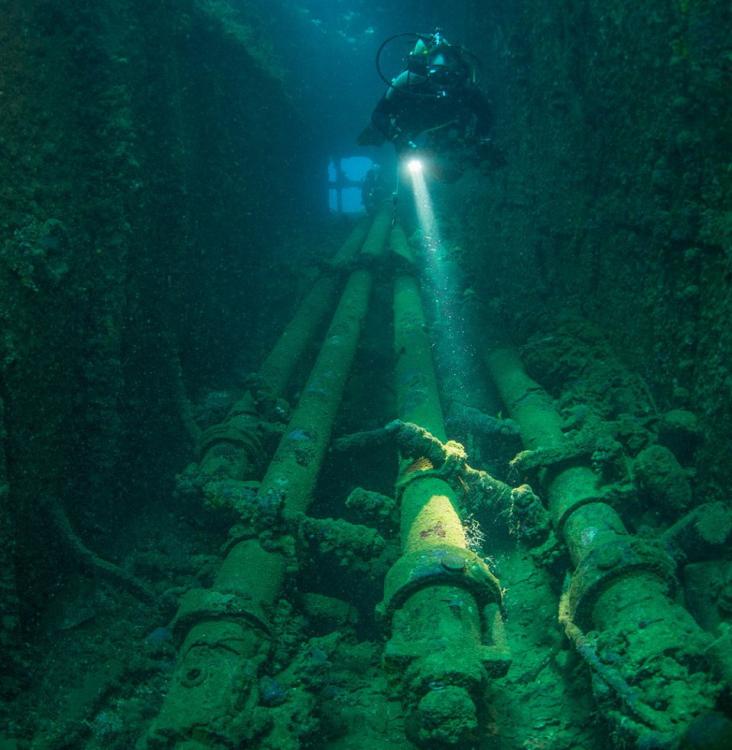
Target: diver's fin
[[370, 136]]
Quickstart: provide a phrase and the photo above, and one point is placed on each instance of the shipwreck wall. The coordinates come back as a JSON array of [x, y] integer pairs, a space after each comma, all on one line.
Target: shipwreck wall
[[613, 124], [134, 144]]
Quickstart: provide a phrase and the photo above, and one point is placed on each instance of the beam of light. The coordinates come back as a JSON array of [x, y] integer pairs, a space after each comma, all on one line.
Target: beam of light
[[444, 286], [423, 204]]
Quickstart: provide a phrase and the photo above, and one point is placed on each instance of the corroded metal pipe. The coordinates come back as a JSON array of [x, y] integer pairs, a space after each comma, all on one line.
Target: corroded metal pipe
[[277, 368], [647, 656], [441, 600], [224, 631], [233, 449]]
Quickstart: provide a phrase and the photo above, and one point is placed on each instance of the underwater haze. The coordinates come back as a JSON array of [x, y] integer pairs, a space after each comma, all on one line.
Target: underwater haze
[[365, 375]]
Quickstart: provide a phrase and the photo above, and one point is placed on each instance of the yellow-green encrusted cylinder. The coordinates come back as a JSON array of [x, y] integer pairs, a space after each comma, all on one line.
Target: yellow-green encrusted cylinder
[[224, 630], [429, 516], [439, 594], [622, 587]]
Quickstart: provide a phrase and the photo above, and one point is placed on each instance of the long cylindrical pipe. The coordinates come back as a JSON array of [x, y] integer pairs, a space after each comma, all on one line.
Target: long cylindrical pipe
[[278, 366], [225, 630], [649, 656], [239, 429], [440, 598]]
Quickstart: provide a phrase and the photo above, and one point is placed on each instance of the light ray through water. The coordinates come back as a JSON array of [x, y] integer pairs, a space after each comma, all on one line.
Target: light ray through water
[[443, 285]]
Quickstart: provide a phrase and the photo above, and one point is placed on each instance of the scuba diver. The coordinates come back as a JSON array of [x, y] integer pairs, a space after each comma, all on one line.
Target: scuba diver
[[433, 105]]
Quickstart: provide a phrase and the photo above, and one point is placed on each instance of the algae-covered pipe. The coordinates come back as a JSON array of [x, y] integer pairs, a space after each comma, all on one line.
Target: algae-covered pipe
[[224, 631], [440, 598], [648, 660], [232, 449], [278, 366]]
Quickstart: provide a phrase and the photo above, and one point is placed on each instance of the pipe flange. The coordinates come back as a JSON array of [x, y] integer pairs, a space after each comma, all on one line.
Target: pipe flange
[[414, 475], [607, 563], [204, 605], [442, 473], [247, 405], [569, 505], [237, 533], [240, 430], [447, 564]]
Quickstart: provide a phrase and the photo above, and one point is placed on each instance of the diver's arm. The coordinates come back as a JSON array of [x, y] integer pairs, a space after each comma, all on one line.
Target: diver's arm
[[386, 118]]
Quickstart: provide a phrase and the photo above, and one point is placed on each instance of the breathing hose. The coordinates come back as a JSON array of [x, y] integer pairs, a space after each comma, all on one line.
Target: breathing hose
[[476, 65]]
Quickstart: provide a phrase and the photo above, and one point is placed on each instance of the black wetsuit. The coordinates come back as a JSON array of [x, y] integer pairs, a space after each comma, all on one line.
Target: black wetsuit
[[409, 112]]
